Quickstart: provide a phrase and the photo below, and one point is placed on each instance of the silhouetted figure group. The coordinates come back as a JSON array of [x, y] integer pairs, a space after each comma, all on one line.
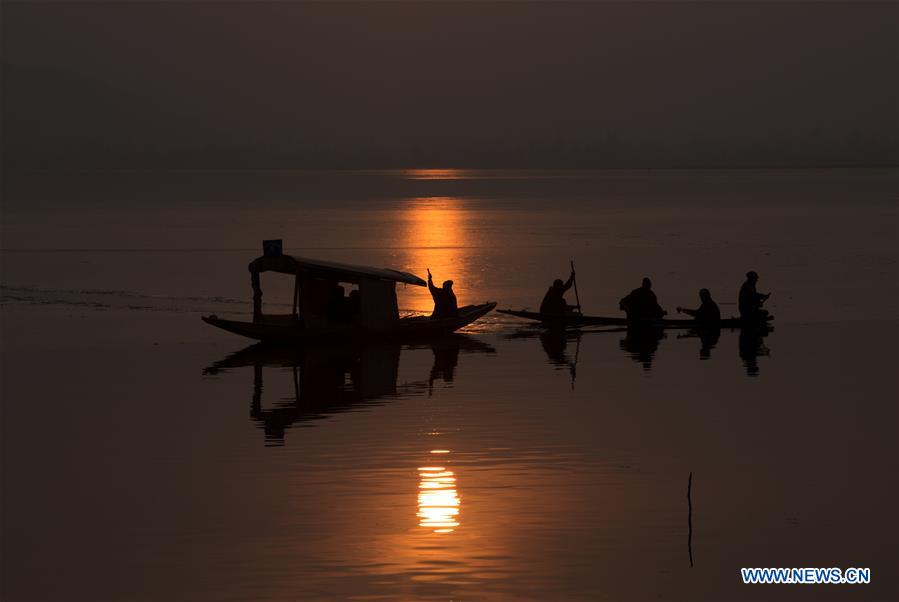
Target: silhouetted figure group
[[642, 308], [342, 307], [641, 304]]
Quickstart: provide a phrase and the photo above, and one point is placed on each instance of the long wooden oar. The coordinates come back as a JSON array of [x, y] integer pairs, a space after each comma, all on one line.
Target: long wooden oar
[[573, 367], [577, 297]]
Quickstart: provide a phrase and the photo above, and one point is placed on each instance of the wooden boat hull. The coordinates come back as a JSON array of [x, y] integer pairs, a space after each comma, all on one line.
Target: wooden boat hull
[[412, 327], [575, 320]]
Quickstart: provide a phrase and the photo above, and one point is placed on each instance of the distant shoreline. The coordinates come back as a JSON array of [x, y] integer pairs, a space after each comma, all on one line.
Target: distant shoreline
[[459, 172]]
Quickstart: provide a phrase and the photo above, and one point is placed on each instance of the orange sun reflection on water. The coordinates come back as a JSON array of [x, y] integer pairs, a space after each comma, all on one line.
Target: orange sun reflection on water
[[437, 174], [435, 238], [439, 503]]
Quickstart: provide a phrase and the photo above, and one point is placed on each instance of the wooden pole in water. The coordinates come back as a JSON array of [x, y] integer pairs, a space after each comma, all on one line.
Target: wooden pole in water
[[577, 352], [690, 517], [577, 297]]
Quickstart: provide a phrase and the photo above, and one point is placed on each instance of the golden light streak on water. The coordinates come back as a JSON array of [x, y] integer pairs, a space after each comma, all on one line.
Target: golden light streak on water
[[436, 231], [436, 174], [439, 504]]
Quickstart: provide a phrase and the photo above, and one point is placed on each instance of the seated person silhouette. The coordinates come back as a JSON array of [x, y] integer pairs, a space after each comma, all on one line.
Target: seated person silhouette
[[750, 300], [706, 312], [445, 304], [336, 303], [641, 304], [355, 304], [554, 300]]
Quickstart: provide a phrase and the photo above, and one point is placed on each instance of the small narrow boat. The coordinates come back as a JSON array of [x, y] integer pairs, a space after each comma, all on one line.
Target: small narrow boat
[[321, 310], [574, 319], [288, 328]]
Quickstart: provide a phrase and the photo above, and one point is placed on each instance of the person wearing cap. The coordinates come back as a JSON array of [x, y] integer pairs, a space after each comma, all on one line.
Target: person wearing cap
[[641, 304], [750, 301], [445, 304], [554, 300], [707, 311]]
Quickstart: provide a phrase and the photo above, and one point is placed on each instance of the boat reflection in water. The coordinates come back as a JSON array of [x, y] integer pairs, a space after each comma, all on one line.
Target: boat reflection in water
[[642, 344], [750, 344], [446, 356], [562, 346], [333, 377], [439, 503]]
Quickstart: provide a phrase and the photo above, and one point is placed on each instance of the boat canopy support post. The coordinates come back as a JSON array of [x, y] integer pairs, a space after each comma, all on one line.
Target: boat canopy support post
[[256, 403], [296, 294], [257, 296]]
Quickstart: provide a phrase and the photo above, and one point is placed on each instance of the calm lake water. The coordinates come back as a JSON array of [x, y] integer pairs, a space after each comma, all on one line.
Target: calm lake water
[[148, 456]]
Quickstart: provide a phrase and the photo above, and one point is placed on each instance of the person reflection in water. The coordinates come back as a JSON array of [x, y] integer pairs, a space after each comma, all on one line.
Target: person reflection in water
[[445, 304], [707, 311], [641, 344], [751, 347], [554, 343], [641, 303], [708, 337], [554, 300], [750, 300], [446, 358]]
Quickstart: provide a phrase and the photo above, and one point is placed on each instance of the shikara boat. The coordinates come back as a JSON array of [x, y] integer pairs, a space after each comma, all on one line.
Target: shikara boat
[[320, 309], [574, 319]]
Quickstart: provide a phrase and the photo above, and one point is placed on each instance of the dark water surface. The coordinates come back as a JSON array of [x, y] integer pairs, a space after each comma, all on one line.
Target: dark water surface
[[146, 456]]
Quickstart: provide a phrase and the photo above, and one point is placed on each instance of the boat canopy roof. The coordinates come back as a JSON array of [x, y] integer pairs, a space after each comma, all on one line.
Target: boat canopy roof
[[343, 272]]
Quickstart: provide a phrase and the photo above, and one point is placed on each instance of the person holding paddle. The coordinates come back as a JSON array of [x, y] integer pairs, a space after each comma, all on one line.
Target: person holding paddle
[[554, 300]]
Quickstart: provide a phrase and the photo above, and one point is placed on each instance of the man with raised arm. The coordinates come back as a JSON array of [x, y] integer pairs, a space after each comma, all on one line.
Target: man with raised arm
[[445, 304]]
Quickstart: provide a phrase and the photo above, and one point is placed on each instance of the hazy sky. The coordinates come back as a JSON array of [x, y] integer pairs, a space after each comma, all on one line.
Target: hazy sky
[[288, 84]]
